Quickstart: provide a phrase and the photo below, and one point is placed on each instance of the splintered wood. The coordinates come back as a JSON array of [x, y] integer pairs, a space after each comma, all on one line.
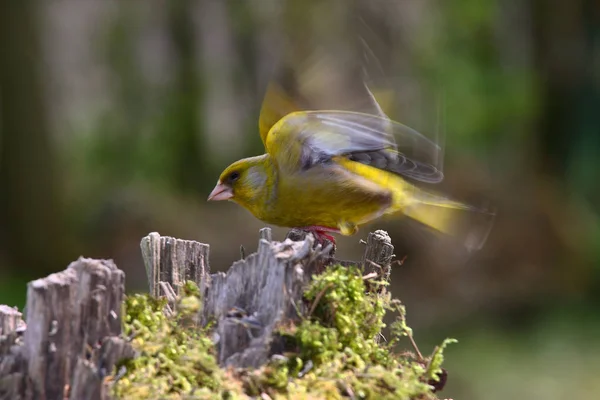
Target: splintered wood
[[70, 339], [259, 292], [173, 261]]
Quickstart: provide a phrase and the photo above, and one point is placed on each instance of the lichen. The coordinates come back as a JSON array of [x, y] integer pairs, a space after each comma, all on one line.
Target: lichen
[[334, 352]]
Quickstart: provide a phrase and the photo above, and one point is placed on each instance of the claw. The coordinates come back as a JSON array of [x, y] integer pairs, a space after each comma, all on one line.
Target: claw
[[320, 233]]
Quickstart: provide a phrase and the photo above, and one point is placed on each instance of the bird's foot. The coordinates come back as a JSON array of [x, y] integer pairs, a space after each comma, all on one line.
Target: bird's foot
[[321, 233], [321, 237]]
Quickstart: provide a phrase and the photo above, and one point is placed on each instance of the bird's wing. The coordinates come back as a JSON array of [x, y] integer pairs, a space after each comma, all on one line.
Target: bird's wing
[[276, 104], [290, 92], [304, 139]]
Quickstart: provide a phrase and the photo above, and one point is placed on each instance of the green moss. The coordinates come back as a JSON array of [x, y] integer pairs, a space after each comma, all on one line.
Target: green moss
[[345, 316], [335, 352], [171, 360], [340, 341]]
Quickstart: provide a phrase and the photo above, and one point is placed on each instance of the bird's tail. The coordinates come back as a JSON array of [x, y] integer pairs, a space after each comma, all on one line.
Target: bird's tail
[[469, 225]]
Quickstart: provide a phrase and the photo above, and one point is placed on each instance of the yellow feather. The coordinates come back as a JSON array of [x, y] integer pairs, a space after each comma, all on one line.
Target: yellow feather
[[276, 105], [464, 222], [296, 184]]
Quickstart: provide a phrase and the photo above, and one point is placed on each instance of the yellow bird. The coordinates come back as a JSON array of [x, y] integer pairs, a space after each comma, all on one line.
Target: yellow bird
[[331, 171]]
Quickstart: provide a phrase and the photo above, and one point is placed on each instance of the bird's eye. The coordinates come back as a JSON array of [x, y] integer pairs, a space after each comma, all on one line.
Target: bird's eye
[[234, 176]]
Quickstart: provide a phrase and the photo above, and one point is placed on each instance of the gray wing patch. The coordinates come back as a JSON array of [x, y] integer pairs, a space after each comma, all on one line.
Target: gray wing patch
[[398, 163], [368, 139]]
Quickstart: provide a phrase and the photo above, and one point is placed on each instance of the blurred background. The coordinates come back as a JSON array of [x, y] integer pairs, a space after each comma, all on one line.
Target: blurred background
[[116, 119]]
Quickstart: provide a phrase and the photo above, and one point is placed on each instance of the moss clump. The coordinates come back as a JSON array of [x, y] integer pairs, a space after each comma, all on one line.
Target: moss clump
[[335, 352], [174, 356], [345, 318]]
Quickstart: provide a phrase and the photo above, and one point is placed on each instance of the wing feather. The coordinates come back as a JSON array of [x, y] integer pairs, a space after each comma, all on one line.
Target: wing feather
[[301, 140]]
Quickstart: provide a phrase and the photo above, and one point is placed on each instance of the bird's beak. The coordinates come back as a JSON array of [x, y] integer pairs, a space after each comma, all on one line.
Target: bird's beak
[[220, 192]]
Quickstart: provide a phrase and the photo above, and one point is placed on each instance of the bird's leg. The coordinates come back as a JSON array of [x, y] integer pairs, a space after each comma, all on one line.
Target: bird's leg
[[320, 233]]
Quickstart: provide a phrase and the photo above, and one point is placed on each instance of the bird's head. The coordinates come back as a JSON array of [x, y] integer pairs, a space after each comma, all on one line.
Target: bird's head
[[244, 182]]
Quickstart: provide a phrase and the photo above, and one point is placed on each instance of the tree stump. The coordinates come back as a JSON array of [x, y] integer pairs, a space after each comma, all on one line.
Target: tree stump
[[70, 339], [258, 293]]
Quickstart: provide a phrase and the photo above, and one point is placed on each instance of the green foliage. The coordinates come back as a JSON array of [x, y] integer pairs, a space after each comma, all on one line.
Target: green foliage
[[434, 369], [333, 353]]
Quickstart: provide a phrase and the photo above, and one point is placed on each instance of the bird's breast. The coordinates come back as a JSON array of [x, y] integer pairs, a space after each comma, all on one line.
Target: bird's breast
[[324, 195]]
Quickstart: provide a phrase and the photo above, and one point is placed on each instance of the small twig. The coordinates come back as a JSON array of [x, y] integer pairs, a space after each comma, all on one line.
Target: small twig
[[415, 347], [242, 252], [298, 311], [318, 298], [375, 265], [399, 262], [167, 290], [370, 276]]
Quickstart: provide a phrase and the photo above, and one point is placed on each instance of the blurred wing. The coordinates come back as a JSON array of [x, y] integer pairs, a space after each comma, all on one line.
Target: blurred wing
[[279, 102], [304, 139], [312, 87], [276, 105]]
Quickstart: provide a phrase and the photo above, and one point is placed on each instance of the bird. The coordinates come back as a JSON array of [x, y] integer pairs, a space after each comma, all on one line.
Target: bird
[[330, 171]]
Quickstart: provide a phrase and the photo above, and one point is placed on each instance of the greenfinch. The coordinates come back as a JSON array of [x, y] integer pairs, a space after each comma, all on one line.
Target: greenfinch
[[330, 171]]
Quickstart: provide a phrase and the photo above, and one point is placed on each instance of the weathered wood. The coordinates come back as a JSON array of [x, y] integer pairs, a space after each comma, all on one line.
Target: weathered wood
[[377, 257], [70, 339], [70, 316], [89, 374], [262, 290], [266, 234], [13, 368], [12, 377], [174, 261], [10, 319], [378, 254], [87, 383], [256, 295], [298, 235]]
